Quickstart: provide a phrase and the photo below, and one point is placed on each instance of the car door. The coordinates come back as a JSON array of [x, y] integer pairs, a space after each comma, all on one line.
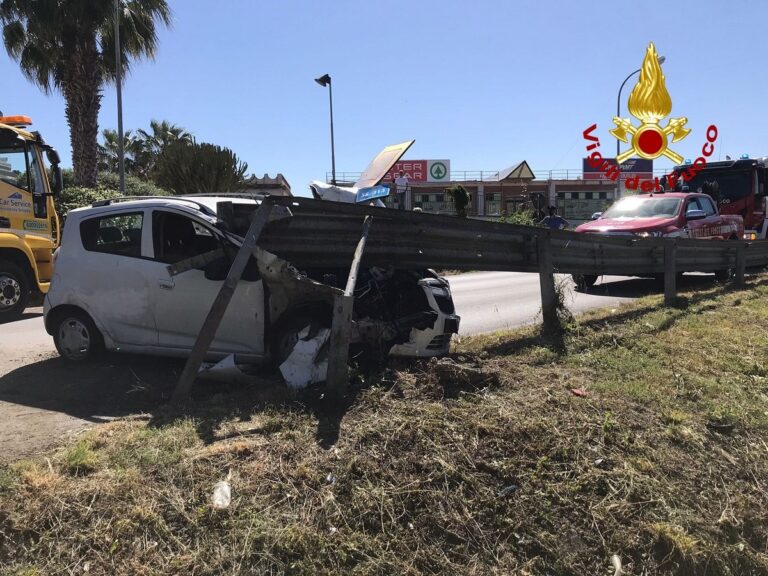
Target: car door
[[182, 301], [708, 227], [112, 276]]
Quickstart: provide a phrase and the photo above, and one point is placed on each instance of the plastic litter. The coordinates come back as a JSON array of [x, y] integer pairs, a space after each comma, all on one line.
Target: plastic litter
[[222, 493]]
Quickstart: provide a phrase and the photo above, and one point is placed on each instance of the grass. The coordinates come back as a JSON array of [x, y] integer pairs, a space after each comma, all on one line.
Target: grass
[[487, 465]]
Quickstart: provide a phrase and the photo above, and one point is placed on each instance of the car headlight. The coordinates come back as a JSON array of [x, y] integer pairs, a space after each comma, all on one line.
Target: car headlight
[[652, 234]]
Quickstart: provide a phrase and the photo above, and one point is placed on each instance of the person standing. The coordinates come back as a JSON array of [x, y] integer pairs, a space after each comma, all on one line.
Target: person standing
[[401, 187], [553, 221]]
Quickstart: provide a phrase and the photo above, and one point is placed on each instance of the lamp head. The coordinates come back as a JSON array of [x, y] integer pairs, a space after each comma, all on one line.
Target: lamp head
[[324, 80], [661, 59]]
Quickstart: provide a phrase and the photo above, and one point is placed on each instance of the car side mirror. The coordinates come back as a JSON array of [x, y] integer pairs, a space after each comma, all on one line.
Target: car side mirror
[[695, 215], [597, 215], [218, 269]]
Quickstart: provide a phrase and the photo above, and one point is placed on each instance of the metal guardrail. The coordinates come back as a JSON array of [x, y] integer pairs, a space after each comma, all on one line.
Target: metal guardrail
[[324, 234]]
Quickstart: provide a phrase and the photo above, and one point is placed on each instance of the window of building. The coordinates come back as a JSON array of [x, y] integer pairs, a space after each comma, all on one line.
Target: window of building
[[118, 234]]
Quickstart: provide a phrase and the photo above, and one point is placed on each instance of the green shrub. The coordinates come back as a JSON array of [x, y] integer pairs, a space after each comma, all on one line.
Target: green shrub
[[77, 196], [134, 186], [199, 168]]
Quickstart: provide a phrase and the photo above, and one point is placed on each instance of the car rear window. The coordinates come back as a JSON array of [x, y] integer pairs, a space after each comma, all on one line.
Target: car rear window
[[114, 234]]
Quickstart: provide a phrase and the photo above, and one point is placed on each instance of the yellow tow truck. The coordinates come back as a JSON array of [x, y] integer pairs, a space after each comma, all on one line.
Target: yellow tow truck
[[29, 226]]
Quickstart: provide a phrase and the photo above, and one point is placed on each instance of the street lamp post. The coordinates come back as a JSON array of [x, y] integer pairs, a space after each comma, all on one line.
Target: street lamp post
[[118, 83], [325, 80]]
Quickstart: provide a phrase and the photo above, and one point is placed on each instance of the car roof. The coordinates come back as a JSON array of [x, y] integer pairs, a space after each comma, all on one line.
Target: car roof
[[197, 205], [667, 195]]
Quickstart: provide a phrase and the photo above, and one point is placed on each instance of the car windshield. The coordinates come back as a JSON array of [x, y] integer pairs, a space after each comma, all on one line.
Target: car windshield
[[648, 207]]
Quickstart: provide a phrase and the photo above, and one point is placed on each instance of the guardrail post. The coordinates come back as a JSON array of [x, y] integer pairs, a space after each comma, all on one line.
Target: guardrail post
[[741, 263], [337, 376], [670, 271], [547, 280]]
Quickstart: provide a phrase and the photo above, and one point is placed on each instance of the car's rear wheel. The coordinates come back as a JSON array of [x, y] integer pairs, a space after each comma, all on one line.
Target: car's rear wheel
[[14, 291], [76, 337], [584, 281]]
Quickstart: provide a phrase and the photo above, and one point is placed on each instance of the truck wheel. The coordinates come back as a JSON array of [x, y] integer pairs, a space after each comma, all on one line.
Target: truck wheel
[[584, 281], [76, 337], [14, 291]]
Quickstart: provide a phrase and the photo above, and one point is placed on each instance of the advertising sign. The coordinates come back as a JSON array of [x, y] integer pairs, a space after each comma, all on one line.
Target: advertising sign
[[421, 170]]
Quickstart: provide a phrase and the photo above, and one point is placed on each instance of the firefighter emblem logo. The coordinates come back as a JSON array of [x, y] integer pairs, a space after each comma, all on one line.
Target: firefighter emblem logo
[[650, 102]]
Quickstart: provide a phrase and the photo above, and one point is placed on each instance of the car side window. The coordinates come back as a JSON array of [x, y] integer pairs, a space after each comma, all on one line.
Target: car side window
[[692, 204], [707, 206], [118, 234], [177, 237]]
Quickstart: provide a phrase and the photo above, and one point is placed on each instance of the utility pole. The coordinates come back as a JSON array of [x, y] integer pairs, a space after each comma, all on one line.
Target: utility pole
[[119, 84]]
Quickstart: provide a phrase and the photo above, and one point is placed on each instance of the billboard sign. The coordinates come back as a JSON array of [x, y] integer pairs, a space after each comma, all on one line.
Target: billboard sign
[[421, 170], [628, 169]]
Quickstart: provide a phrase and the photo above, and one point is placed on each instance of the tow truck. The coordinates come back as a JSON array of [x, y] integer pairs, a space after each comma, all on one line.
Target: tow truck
[[737, 186], [29, 227]]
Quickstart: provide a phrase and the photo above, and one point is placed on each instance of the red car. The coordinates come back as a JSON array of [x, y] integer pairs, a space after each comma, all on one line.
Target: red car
[[674, 214]]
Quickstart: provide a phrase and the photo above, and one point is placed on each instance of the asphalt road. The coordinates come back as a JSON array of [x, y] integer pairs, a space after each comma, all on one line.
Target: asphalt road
[[490, 301]]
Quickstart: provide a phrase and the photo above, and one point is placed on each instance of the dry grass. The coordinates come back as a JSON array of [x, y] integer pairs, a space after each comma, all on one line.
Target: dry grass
[[491, 467]]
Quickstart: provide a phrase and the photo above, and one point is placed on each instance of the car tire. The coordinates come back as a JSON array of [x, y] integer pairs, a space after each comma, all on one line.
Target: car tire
[[14, 291], [76, 337], [584, 281], [285, 332]]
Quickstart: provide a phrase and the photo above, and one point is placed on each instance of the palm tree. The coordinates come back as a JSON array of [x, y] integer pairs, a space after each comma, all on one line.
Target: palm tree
[[150, 144], [69, 46], [108, 155]]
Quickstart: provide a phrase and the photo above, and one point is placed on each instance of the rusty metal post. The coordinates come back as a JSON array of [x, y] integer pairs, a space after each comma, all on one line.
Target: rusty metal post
[[670, 271], [341, 328], [219, 306], [547, 280]]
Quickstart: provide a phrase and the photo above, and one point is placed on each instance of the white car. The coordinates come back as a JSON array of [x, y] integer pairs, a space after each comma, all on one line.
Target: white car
[[140, 275]]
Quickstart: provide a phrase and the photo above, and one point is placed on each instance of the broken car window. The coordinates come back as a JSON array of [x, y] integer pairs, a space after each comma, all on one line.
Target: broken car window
[[115, 234], [178, 237]]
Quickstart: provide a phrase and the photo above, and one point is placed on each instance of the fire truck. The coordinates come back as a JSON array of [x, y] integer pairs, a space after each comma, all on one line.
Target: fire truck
[[738, 187], [29, 226]]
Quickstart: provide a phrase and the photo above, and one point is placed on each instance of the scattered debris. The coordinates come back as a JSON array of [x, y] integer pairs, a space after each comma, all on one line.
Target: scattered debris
[[616, 562], [581, 392], [222, 493], [508, 490], [304, 365]]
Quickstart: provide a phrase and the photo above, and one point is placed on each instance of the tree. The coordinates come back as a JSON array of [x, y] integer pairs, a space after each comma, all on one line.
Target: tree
[[201, 168], [108, 151], [460, 198], [69, 46], [152, 144]]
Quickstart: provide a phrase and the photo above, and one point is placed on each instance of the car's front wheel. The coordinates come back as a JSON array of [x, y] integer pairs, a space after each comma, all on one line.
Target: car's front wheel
[[584, 281], [76, 337]]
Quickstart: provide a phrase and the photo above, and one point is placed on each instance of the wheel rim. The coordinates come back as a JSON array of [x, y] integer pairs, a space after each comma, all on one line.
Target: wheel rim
[[10, 291], [74, 339]]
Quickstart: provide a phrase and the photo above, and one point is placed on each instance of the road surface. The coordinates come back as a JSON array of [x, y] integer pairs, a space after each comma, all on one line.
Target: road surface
[[44, 400]]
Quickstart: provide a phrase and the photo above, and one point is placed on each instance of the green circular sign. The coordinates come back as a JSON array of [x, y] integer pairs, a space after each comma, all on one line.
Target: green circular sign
[[438, 171]]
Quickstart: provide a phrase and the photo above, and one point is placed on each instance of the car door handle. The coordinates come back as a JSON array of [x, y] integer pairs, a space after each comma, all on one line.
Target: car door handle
[[166, 284]]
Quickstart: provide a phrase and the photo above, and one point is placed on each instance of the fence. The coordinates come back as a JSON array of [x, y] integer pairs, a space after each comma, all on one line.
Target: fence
[[321, 234], [493, 175]]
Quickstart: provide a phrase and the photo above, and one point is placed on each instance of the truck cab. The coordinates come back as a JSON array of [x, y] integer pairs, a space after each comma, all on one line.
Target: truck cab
[[29, 226]]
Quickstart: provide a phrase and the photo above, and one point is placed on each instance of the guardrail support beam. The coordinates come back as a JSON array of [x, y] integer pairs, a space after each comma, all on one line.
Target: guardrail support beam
[[337, 377], [670, 272], [741, 262], [547, 281]]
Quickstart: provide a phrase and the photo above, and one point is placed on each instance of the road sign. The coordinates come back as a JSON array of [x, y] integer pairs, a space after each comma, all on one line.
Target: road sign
[[372, 193]]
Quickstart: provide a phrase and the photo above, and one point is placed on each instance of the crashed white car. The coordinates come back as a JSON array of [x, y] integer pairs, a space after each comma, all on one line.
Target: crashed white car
[[140, 275]]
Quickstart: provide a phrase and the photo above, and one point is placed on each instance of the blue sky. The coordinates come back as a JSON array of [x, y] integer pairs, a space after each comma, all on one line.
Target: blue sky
[[484, 84]]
